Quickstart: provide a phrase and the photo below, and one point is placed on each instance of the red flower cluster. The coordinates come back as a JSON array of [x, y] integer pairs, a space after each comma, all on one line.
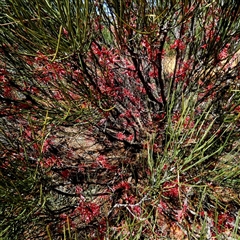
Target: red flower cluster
[[87, 211], [178, 44], [171, 189]]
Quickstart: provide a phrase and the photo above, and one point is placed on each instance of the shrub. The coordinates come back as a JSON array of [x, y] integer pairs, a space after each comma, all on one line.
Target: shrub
[[156, 80]]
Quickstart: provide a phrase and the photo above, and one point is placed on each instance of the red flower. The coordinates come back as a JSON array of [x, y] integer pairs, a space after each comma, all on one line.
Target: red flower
[[87, 211], [153, 74], [237, 109], [65, 174], [120, 136], [46, 145], [178, 44], [225, 221], [188, 123], [136, 210], [130, 138], [102, 160], [171, 189], [182, 72], [51, 161], [122, 185], [65, 32], [224, 53], [162, 206], [78, 190]]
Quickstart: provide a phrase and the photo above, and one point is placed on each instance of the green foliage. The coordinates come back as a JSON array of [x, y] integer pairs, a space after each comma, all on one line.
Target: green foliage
[[46, 26]]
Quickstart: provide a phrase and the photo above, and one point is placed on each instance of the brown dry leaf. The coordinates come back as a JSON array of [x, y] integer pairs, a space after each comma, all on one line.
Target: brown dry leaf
[[177, 233]]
